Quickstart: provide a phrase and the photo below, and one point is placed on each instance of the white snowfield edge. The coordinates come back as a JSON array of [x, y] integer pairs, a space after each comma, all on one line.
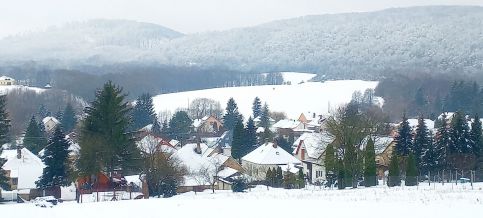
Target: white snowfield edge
[[447, 201], [308, 97]]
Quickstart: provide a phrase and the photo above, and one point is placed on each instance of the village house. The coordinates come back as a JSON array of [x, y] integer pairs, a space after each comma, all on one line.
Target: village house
[[310, 149], [290, 129], [268, 155], [208, 126], [149, 143], [383, 146], [6, 81], [50, 123], [205, 165], [314, 122], [23, 169]]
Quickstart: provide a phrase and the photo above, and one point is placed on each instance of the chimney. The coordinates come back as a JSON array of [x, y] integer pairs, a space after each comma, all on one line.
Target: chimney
[[274, 144], [19, 151], [198, 147]]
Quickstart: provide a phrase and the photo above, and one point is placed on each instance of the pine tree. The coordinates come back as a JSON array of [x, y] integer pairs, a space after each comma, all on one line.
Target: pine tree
[[404, 138], [165, 128], [69, 119], [43, 112], [104, 142], [265, 117], [238, 145], [370, 178], [232, 115], [429, 158], [459, 135], [257, 107], [394, 174], [442, 143], [4, 122], [301, 178], [180, 126], [422, 141], [143, 112], [269, 177], [251, 133], [3, 174], [56, 153], [475, 136], [411, 171], [34, 138], [156, 128], [279, 177], [340, 174], [329, 163]]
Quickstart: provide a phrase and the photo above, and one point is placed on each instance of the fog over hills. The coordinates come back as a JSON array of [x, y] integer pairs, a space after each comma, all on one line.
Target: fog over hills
[[436, 39]]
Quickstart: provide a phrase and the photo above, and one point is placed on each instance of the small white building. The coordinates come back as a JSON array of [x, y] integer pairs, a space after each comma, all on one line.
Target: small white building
[[6, 81], [23, 169], [310, 149], [268, 155], [50, 123]]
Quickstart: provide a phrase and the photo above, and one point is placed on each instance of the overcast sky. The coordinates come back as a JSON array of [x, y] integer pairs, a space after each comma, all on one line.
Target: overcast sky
[[187, 16]]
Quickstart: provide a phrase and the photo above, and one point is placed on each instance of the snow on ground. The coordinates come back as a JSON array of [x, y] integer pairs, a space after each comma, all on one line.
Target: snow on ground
[[313, 97], [296, 78], [423, 201], [6, 89]]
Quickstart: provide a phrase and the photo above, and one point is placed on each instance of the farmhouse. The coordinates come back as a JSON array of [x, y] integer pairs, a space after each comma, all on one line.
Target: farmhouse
[[208, 126], [6, 81], [310, 149], [268, 155], [50, 123], [290, 129]]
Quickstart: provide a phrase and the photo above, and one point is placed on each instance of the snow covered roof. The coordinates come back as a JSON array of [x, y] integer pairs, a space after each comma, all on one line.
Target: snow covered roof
[[150, 143], [380, 143], [227, 172], [27, 169], [147, 128], [259, 118], [288, 124], [6, 78], [47, 119], [449, 115], [260, 129], [269, 154], [313, 143], [134, 179], [414, 122]]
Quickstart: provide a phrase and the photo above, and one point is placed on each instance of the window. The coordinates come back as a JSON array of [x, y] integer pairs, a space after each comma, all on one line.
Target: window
[[14, 181]]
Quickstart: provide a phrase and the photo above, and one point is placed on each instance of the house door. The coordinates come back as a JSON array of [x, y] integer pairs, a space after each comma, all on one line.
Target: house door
[[309, 174]]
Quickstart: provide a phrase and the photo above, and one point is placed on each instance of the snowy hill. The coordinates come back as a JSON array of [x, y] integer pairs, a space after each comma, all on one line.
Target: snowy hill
[[108, 40], [436, 39], [314, 97]]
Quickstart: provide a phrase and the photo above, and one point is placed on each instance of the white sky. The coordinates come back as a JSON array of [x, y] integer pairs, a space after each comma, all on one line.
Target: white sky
[[187, 16]]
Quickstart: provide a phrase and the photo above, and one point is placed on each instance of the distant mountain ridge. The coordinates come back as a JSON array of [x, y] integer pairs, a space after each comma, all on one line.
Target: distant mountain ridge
[[369, 45]]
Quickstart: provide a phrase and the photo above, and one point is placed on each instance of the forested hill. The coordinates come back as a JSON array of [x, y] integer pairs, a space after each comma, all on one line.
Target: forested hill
[[432, 39]]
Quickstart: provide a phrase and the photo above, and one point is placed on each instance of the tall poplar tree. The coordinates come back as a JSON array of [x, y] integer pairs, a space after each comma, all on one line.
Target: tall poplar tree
[[370, 178]]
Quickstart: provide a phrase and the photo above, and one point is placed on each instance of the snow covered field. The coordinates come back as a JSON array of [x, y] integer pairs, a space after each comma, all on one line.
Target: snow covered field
[[308, 97], [423, 201], [6, 89]]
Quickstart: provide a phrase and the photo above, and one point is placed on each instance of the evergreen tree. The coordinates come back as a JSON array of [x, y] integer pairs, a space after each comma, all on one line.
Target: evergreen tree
[[3, 174], [411, 171], [301, 179], [4, 121], [340, 174], [34, 138], [394, 178], [329, 163], [238, 145], [251, 133], [442, 143], [165, 128], [55, 158], [404, 138], [69, 119], [42, 112], [257, 107], [350, 166], [104, 142], [459, 135], [370, 178], [143, 112], [475, 136], [422, 141], [429, 158], [284, 144], [231, 115], [279, 177], [269, 177], [180, 126], [265, 117], [156, 128]]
